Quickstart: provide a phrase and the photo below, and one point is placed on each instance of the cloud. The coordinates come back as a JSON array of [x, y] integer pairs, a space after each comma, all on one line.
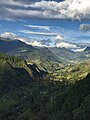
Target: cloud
[[59, 37], [67, 9], [38, 33], [8, 35], [65, 45], [85, 27], [79, 50], [11, 3], [35, 42], [29, 41], [38, 44], [44, 43], [39, 27]]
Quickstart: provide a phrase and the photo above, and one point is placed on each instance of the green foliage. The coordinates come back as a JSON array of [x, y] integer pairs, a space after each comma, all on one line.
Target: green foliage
[[25, 95], [15, 72], [47, 100], [72, 73]]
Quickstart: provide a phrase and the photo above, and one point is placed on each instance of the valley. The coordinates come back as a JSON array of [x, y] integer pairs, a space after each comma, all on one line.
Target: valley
[[43, 83], [44, 59]]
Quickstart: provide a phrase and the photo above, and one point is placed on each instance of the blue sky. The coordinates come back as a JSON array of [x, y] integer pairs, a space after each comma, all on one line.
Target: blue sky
[[67, 28], [45, 20]]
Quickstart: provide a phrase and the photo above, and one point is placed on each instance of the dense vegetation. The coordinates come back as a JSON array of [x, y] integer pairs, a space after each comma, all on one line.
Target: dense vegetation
[[26, 94], [71, 73]]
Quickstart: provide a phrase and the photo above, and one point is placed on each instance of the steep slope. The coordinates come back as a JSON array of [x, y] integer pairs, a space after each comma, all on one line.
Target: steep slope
[[87, 49], [43, 57], [63, 53], [13, 46], [69, 57], [74, 104], [15, 72]]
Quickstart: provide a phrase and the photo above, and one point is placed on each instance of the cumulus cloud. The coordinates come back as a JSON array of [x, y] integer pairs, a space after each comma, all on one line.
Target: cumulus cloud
[[65, 45], [38, 33], [39, 27], [8, 35], [85, 27], [60, 42], [67, 9]]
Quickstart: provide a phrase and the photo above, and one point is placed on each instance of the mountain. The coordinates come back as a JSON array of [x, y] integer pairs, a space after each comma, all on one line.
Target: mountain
[[63, 53], [15, 72], [43, 57], [27, 91], [87, 49], [40, 56], [38, 99], [70, 57], [46, 58], [9, 46]]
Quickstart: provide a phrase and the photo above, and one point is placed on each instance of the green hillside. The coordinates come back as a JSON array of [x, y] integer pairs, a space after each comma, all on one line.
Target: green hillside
[[43, 57], [29, 93], [71, 73], [47, 100], [15, 72]]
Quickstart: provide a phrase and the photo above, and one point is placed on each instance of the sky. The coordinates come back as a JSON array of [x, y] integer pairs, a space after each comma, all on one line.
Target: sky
[[46, 22]]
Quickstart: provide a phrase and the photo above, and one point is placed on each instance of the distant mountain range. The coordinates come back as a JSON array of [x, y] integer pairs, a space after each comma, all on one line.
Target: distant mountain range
[[48, 56], [7, 45], [87, 49]]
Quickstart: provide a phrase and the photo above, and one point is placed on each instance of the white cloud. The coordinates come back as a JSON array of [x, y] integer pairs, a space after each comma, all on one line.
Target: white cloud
[[33, 42], [67, 9], [39, 27], [37, 43], [43, 43], [38, 33], [79, 50], [8, 35], [29, 41], [59, 37], [20, 13], [65, 45]]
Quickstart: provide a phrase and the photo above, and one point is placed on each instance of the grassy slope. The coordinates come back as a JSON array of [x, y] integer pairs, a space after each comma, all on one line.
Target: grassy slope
[[72, 73]]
